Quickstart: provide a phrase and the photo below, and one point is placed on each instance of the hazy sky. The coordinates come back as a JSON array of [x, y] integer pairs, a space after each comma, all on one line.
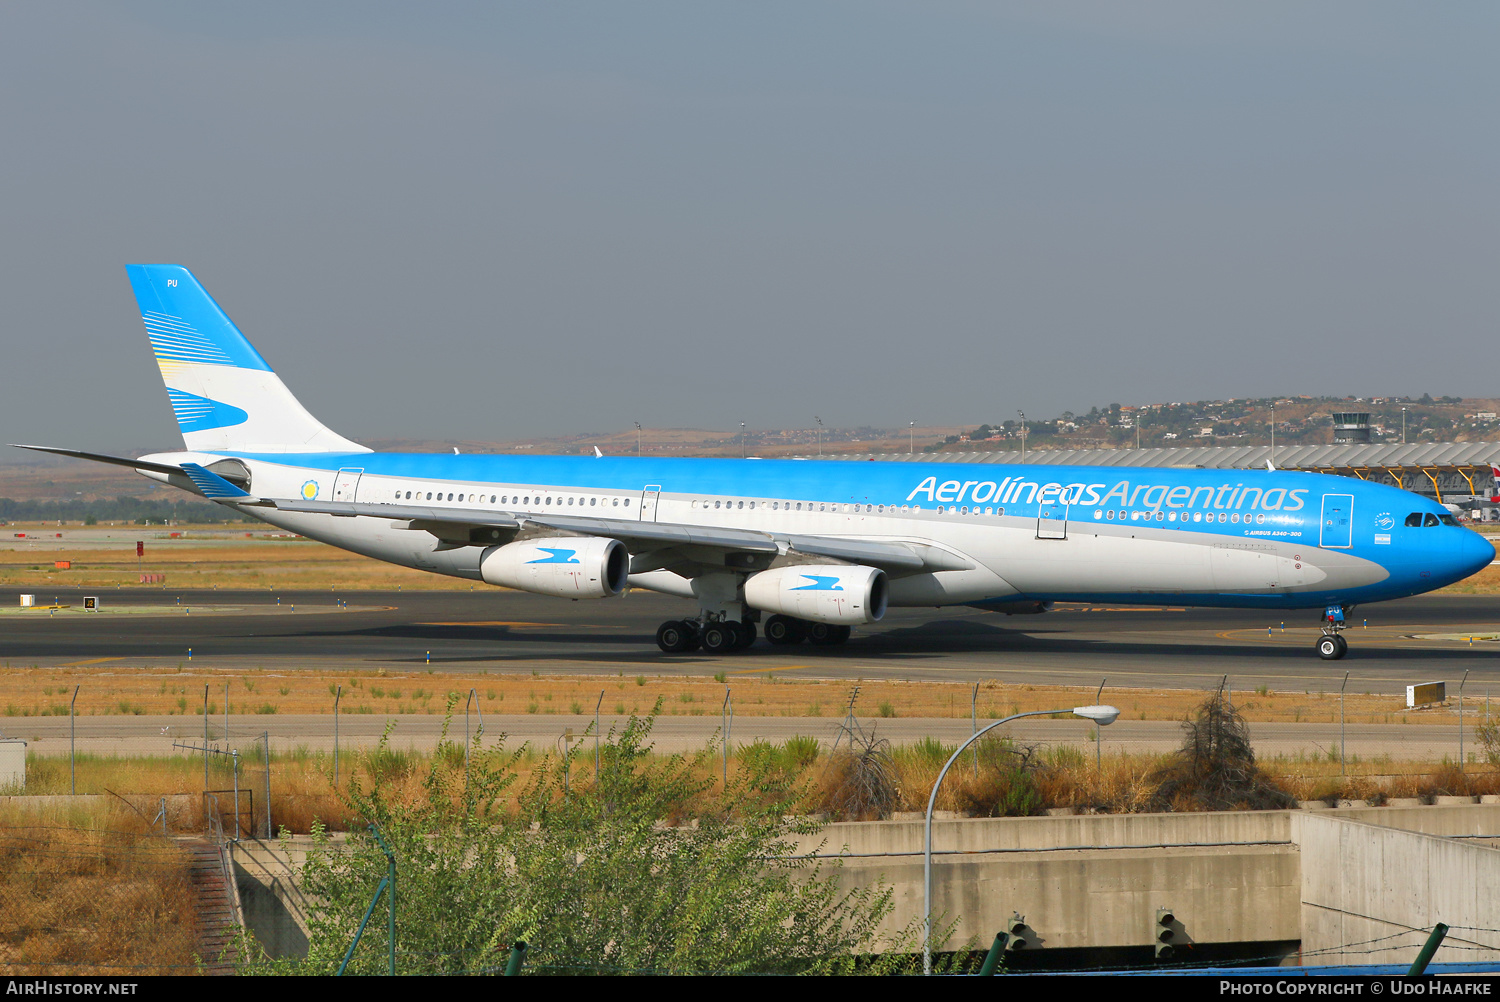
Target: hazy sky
[[492, 220]]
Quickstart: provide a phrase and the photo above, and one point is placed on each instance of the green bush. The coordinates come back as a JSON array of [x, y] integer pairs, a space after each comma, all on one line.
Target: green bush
[[647, 867]]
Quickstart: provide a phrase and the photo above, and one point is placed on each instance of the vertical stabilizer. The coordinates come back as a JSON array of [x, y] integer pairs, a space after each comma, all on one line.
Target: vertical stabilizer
[[224, 395]]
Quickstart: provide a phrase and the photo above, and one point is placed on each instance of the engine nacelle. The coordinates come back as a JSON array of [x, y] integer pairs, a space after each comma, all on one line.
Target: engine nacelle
[[565, 566], [824, 593]]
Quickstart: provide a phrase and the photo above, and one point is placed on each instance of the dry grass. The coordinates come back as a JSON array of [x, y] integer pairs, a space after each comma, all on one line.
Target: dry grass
[[28, 691], [1009, 780], [92, 894], [1486, 582], [269, 564]]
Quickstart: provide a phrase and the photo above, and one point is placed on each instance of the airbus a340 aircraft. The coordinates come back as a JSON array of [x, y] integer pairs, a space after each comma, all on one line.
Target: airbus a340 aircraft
[[816, 547]]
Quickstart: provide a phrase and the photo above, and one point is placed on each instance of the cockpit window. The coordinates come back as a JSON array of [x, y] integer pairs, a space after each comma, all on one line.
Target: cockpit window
[[1448, 520], [1430, 520], [1414, 520]]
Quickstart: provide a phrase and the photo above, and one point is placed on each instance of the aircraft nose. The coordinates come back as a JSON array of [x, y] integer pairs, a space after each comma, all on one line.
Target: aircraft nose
[[1474, 553]]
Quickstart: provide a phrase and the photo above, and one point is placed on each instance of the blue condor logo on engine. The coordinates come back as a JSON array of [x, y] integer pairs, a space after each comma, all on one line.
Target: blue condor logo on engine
[[555, 556], [1015, 490], [819, 583]]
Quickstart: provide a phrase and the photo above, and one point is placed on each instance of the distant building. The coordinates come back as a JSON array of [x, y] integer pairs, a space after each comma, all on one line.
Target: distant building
[[1351, 428]]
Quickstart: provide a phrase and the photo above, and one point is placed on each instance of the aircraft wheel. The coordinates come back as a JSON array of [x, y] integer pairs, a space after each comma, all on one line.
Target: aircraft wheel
[[784, 630], [675, 636], [826, 634], [720, 638], [1331, 647], [747, 634], [1343, 644]]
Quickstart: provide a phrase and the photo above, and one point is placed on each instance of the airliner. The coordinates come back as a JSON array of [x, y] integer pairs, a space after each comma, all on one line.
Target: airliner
[[814, 547]]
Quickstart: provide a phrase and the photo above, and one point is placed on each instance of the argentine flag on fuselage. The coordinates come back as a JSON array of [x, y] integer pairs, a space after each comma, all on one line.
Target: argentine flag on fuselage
[[223, 394]]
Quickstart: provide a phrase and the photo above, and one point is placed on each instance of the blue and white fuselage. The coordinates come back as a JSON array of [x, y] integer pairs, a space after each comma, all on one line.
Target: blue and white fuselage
[[812, 542]]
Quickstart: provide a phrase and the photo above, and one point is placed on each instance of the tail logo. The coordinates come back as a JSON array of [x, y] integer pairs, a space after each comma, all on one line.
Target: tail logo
[[310, 490], [195, 413]]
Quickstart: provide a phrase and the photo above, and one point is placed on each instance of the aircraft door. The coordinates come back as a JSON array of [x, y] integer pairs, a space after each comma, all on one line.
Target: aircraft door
[[649, 498], [1336, 530], [346, 484], [1052, 520]]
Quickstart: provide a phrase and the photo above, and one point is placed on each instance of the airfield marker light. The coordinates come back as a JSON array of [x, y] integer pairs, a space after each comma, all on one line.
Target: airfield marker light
[[1100, 714]]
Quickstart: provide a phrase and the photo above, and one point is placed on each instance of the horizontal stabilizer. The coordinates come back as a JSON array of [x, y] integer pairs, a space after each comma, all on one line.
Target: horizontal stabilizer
[[211, 485], [134, 464]]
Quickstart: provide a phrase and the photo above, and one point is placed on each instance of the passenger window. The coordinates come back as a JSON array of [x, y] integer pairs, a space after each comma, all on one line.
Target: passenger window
[[999, 512], [716, 504], [593, 501], [1430, 520], [570, 500], [616, 502], [627, 502], [1414, 520], [799, 505], [752, 505], [741, 504], [408, 495], [429, 495]]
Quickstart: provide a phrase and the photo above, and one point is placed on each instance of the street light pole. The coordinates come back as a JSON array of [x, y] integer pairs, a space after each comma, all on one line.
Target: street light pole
[[1403, 426], [742, 440], [1023, 436], [1273, 434], [911, 441], [1102, 715], [637, 439], [820, 434]]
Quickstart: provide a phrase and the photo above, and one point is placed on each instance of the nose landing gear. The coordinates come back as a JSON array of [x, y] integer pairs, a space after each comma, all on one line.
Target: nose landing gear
[[1331, 645]]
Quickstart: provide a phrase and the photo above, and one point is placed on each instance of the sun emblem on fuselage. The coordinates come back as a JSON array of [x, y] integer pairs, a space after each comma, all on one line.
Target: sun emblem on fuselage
[[310, 490]]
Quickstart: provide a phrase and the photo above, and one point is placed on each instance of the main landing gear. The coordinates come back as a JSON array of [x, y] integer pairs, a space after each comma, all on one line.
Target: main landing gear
[[724, 636], [1331, 645], [784, 631]]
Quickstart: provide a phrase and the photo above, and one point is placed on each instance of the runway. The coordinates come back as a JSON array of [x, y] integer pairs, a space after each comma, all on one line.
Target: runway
[[502, 631]]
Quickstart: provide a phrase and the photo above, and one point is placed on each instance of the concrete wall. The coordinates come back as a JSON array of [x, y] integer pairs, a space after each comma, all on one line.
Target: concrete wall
[[12, 764], [275, 909], [1370, 894], [1086, 880]]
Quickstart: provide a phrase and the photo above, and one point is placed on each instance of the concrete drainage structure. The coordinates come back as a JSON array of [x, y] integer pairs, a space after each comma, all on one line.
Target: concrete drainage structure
[[1358, 885]]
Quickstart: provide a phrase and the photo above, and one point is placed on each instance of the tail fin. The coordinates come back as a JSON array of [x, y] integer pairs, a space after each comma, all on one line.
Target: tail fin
[[224, 395]]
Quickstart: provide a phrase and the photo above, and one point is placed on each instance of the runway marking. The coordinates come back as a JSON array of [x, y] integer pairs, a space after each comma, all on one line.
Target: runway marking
[[755, 671], [90, 661]]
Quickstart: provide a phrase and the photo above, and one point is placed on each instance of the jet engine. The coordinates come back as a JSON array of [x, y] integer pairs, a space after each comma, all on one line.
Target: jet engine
[[565, 566], [823, 593]]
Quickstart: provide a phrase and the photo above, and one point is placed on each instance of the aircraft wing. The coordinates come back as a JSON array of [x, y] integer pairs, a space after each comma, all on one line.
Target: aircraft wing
[[468, 528]]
